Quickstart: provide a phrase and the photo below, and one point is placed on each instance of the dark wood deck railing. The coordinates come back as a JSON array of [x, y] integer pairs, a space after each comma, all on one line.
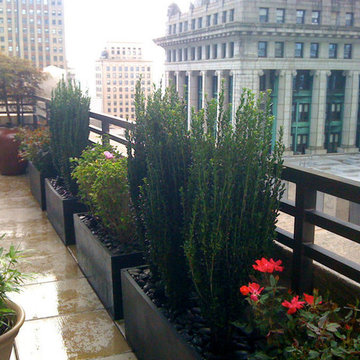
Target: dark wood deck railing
[[303, 209]]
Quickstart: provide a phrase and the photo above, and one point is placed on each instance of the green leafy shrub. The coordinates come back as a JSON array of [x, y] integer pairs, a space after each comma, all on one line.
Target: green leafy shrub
[[101, 175], [160, 151], [231, 205], [35, 147], [10, 281], [69, 128], [299, 329]]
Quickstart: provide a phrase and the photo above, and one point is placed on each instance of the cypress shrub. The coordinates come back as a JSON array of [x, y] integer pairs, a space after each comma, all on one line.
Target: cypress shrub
[[158, 166], [231, 205], [69, 128]]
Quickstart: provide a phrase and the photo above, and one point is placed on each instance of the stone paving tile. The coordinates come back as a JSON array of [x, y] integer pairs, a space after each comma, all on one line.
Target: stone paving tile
[[57, 298], [90, 335], [50, 268]]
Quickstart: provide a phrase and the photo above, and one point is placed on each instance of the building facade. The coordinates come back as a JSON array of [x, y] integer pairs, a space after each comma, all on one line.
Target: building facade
[[33, 30], [117, 71], [306, 51]]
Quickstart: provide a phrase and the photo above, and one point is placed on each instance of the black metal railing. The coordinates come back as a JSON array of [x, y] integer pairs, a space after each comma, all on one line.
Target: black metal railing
[[303, 209]]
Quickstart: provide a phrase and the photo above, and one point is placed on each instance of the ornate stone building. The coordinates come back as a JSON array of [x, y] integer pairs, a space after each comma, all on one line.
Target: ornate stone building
[[306, 51]]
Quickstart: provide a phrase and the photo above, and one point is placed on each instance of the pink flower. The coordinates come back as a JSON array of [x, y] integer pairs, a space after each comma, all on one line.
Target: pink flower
[[254, 289], [294, 305], [108, 155], [266, 266]]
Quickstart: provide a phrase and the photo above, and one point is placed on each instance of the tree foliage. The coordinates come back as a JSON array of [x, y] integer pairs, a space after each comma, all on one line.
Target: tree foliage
[[231, 206], [69, 128], [19, 80]]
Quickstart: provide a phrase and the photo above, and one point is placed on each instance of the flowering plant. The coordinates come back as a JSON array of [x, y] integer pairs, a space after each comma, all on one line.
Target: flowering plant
[[300, 327], [35, 147], [101, 175]]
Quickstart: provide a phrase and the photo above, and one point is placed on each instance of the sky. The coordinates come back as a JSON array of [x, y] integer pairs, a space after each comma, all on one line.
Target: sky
[[89, 24]]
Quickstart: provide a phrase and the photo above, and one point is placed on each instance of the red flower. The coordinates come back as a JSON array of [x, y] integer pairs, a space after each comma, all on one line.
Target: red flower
[[294, 305], [267, 266], [277, 264], [309, 299], [254, 289]]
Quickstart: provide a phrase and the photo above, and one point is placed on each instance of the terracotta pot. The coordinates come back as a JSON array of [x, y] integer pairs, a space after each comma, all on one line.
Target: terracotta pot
[[7, 339], [10, 164]]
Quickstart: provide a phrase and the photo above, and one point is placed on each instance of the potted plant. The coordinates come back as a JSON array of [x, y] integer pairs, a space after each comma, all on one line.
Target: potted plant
[[12, 316], [209, 199], [35, 148], [19, 80], [105, 237], [69, 133]]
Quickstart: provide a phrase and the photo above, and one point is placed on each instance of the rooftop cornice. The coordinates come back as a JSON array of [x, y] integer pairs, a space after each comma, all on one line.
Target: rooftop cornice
[[250, 29]]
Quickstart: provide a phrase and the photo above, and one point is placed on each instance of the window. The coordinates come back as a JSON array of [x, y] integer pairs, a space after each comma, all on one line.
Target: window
[[280, 16], [223, 50], [186, 24], [185, 54], [349, 19], [347, 51], [231, 17], [208, 20], [169, 56], [215, 19], [262, 48], [174, 29], [315, 17], [314, 50], [214, 51], [299, 47], [332, 51], [199, 52], [231, 50], [207, 52], [179, 55], [263, 15], [180, 27], [192, 53], [193, 24], [300, 16], [224, 15], [199, 23], [279, 49]]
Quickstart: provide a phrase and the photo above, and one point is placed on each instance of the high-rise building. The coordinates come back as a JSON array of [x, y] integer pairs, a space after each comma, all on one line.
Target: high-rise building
[[306, 52], [34, 30], [117, 71]]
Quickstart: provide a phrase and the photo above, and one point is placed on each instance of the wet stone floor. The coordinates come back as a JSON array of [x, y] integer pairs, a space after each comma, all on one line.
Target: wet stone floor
[[64, 317]]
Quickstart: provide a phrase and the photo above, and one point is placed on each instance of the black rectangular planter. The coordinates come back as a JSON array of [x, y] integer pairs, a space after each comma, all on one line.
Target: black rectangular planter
[[148, 332], [60, 213], [37, 185], [102, 268]]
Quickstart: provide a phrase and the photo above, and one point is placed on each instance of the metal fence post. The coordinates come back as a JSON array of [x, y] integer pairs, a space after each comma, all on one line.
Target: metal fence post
[[105, 128], [304, 232]]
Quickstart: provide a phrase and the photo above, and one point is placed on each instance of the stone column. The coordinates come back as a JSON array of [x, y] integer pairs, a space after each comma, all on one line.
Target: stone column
[[351, 103], [206, 82], [192, 93], [180, 82], [318, 112], [284, 107]]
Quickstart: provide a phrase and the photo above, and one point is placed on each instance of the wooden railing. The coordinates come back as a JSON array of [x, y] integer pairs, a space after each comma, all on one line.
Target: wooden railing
[[303, 209]]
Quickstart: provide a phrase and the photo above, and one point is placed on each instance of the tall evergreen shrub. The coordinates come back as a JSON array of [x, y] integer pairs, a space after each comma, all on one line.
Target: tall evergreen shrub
[[231, 205], [69, 128], [161, 152]]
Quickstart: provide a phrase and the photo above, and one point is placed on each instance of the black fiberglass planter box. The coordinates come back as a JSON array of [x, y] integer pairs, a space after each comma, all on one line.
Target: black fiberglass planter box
[[102, 268], [37, 185], [60, 213], [149, 333]]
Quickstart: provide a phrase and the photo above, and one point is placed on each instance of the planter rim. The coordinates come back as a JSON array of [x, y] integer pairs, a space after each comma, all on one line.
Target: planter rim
[[47, 180], [99, 242], [20, 318]]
